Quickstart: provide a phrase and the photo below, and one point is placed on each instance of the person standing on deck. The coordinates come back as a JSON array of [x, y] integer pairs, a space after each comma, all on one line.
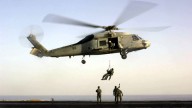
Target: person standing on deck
[[119, 95], [115, 93], [98, 94]]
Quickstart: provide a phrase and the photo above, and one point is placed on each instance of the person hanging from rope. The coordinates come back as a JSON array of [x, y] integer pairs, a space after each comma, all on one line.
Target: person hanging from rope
[[109, 73]]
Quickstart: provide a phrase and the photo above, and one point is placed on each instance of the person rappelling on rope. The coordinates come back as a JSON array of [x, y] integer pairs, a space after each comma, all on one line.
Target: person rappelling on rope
[[109, 73]]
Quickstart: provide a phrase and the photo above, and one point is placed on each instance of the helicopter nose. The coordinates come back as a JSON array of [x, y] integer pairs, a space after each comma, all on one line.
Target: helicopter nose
[[146, 43]]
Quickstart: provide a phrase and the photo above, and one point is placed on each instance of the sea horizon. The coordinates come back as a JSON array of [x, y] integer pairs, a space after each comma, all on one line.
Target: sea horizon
[[93, 97]]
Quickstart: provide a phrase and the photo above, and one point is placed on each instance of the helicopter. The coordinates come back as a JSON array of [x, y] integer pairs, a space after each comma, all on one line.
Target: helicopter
[[107, 41]]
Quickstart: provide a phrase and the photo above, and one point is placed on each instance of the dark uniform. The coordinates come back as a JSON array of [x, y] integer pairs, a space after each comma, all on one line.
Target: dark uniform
[[98, 94], [115, 93], [119, 95], [111, 45], [108, 74]]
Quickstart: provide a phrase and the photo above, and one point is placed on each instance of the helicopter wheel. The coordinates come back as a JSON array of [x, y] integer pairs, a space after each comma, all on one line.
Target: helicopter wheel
[[83, 61], [124, 56]]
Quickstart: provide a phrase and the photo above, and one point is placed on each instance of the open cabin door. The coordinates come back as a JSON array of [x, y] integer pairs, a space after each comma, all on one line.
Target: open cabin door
[[113, 43]]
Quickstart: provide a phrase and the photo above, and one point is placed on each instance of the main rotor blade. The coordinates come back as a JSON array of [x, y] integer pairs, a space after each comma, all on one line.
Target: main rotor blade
[[52, 18], [147, 29], [94, 33], [133, 9]]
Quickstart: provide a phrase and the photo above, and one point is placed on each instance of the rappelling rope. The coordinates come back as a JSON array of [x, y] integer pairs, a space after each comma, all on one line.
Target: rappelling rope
[[109, 64]]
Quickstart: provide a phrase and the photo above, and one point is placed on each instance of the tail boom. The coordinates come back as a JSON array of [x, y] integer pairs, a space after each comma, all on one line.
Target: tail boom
[[38, 50]]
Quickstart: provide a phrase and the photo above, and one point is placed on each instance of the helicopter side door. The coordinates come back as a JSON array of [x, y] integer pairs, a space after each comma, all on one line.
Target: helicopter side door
[[113, 43]]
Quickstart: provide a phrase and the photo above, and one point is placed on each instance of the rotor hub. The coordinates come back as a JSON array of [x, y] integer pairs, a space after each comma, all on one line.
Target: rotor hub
[[109, 28]]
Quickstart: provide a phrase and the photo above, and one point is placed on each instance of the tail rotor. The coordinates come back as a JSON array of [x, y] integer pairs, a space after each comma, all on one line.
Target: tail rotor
[[35, 30]]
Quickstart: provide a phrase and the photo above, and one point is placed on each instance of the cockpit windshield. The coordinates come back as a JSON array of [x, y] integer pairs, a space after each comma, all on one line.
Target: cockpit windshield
[[136, 37], [86, 39]]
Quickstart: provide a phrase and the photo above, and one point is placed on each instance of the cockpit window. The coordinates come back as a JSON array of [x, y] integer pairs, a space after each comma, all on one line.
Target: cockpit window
[[86, 39], [135, 37], [139, 37]]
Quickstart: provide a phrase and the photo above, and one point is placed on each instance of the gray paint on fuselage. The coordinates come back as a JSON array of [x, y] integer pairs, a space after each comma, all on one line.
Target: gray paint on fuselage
[[70, 50], [93, 47]]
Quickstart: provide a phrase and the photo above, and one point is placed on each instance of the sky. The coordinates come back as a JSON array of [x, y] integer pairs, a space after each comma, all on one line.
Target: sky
[[162, 69]]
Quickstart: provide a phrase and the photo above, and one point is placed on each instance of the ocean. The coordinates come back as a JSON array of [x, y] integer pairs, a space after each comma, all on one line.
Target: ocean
[[93, 98]]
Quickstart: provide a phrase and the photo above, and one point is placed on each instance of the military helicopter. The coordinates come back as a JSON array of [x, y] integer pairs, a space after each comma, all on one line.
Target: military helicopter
[[106, 41]]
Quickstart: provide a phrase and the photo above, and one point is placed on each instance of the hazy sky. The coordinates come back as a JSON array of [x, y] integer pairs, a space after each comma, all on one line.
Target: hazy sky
[[163, 68]]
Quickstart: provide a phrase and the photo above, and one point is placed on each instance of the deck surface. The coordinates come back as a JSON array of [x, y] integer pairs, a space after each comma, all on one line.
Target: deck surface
[[90, 104]]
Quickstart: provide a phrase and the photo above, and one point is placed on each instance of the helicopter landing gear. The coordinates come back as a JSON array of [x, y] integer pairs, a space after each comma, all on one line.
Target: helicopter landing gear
[[123, 54], [83, 61]]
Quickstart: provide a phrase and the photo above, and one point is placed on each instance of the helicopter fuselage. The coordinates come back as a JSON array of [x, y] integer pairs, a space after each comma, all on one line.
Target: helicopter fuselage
[[97, 44], [103, 43]]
